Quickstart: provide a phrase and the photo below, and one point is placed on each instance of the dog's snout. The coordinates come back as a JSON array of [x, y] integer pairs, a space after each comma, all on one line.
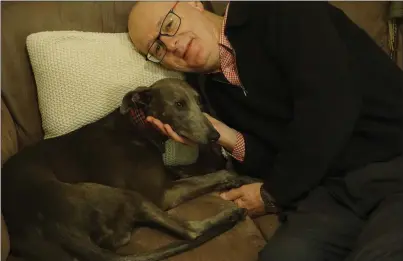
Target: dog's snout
[[213, 136]]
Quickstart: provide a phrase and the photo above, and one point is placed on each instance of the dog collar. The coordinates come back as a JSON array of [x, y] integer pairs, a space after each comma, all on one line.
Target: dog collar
[[138, 116], [139, 120]]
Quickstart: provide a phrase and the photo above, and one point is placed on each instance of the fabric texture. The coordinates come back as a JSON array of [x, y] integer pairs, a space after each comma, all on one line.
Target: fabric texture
[[177, 154], [82, 76]]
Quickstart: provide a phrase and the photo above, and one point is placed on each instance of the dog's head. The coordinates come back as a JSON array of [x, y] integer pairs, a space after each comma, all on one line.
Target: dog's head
[[176, 103]]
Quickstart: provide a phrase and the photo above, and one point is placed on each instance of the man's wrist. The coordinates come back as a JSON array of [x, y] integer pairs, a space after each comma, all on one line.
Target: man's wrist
[[228, 140]]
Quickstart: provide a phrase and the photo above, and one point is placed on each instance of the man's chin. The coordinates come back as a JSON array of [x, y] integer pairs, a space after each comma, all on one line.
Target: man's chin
[[191, 65], [198, 62], [189, 68]]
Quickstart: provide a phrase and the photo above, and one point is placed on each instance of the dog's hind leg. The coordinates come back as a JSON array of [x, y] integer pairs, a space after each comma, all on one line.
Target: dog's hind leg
[[189, 188], [81, 245], [193, 232]]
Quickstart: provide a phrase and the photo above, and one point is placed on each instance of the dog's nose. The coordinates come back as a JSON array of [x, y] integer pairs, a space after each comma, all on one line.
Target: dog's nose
[[214, 136]]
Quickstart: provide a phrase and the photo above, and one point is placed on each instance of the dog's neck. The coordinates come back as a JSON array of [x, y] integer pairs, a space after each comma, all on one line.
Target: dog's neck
[[134, 124]]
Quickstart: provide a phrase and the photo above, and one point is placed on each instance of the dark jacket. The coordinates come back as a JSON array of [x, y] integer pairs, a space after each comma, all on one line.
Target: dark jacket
[[322, 97]]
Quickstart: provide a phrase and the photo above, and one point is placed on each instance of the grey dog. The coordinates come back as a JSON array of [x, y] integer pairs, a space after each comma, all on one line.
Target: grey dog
[[81, 195]]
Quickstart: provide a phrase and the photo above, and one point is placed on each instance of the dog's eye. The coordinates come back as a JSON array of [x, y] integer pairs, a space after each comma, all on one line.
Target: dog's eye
[[179, 104]]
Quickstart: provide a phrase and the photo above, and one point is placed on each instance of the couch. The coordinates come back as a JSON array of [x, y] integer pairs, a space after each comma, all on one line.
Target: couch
[[21, 119]]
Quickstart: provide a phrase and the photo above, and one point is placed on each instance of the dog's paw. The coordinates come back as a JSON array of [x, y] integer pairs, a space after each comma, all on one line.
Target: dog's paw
[[230, 184], [238, 215], [123, 240], [237, 182]]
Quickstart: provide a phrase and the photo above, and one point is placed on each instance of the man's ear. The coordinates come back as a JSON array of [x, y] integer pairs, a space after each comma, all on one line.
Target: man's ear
[[197, 4], [140, 98]]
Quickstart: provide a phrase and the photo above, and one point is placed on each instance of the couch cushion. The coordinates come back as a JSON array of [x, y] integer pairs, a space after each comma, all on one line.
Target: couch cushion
[[370, 16], [242, 243], [21, 18], [9, 144], [82, 76], [5, 240]]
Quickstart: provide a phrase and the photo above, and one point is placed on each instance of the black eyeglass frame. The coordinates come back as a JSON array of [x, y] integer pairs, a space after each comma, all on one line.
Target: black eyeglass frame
[[157, 39]]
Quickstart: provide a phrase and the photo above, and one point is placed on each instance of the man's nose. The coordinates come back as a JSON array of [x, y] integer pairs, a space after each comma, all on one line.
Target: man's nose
[[170, 42]]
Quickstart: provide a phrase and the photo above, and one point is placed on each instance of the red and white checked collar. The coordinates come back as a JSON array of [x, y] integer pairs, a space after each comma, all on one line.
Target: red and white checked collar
[[227, 57], [138, 116]]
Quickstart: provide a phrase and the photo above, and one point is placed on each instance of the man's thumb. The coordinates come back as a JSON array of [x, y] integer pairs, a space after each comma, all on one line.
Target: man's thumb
[[232, 194]]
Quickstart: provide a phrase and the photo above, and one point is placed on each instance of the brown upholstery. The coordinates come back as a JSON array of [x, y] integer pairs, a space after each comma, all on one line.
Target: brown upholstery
[[21, 123]]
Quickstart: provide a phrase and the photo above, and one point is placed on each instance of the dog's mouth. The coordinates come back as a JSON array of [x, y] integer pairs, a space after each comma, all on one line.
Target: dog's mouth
[[191, 138], [186, 136]]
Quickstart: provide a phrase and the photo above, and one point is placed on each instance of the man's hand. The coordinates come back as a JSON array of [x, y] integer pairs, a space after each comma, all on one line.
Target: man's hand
[[227, 134], [247, 196], [167, 130]]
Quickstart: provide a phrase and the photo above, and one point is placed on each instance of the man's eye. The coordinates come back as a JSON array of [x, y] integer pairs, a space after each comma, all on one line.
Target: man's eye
[[158, 49]]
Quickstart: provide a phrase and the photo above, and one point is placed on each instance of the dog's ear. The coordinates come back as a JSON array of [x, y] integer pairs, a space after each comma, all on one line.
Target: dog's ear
[[140, 98]]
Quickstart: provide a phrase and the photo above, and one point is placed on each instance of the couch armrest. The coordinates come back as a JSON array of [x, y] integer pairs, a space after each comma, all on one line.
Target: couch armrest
[[5, 241], [9, 146], [9, 142]]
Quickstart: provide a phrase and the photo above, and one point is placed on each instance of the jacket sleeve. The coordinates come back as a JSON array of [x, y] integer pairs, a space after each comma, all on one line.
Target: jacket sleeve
[[257, 156], [326, 104]]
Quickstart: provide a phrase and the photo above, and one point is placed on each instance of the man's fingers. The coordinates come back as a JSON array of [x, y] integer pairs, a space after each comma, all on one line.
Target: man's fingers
[[211, 119], [167, 130], [207, 115], [157, 123], [175, 136], [158, 128], [233, 194], [240, 203]]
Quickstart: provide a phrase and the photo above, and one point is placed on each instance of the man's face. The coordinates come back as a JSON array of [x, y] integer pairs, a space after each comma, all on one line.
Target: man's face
[[194, 47]]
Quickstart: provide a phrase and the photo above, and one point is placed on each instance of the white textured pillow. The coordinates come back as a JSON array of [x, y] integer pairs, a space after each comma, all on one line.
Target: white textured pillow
[[82, 76]]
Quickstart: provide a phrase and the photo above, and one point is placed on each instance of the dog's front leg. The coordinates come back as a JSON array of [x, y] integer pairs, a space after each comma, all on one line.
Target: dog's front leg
[[192, 187]]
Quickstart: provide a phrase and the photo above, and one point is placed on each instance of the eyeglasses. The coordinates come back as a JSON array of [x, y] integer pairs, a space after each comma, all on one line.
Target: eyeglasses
[[170, 26]]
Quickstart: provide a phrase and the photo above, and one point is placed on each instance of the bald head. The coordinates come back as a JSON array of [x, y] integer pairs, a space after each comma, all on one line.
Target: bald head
[[191, 40]]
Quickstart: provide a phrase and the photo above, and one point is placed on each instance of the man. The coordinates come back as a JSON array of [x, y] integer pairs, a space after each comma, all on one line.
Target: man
[[309, 104]]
